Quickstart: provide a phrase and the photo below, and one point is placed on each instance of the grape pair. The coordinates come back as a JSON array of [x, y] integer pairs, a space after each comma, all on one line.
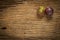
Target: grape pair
[[48, 11]]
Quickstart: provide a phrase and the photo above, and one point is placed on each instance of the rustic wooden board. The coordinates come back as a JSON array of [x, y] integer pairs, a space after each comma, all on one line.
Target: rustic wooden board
[[21, 21]]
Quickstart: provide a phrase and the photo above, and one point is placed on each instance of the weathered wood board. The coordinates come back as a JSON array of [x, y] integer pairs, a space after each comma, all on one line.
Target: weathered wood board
[[21, 21]]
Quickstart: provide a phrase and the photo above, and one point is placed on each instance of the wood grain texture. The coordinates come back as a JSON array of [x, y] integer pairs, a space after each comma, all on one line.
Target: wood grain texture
[[22, 20]]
